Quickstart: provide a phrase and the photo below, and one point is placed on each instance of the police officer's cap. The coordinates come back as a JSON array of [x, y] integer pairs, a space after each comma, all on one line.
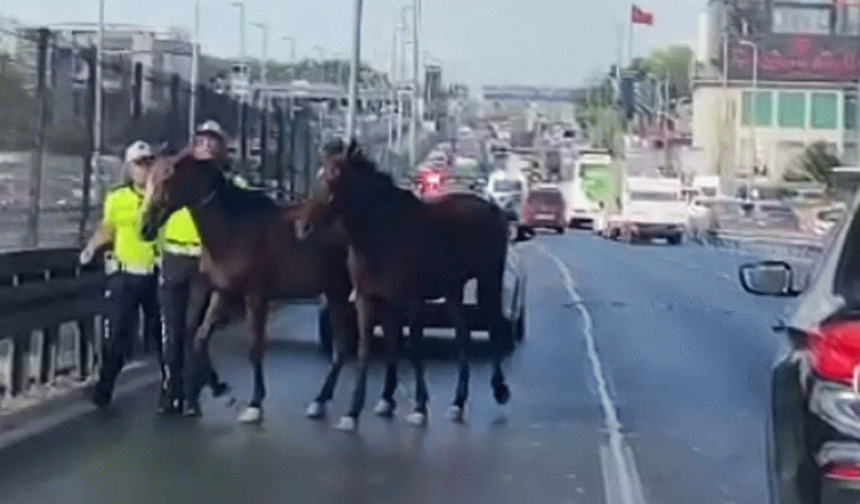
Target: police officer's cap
[[334, 147], [138, 150], [211, 127]]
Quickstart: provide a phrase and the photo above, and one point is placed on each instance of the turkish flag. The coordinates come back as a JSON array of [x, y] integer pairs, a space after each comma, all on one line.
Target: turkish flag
[[640, 16]]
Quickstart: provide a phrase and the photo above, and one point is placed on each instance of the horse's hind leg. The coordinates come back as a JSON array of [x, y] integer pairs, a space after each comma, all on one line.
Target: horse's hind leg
[[489, 299], [202, 372], [256, 308], [340, 320], [454, 305]]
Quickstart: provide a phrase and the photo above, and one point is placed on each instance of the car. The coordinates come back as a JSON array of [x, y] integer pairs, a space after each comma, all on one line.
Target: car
[[543, 208], [435, 317], [813, 427]]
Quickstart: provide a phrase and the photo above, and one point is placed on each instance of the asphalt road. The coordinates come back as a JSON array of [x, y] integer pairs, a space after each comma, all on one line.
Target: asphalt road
[[643, 380]]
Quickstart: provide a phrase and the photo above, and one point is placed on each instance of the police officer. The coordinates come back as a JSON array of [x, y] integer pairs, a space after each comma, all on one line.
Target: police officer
[[134, 283], [182, 289]]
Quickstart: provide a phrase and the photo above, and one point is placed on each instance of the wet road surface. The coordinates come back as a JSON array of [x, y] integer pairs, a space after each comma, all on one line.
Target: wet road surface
[[660, 338]]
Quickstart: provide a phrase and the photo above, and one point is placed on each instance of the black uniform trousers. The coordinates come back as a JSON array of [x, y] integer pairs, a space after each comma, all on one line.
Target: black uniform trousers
[[184, 295], [126, 294]]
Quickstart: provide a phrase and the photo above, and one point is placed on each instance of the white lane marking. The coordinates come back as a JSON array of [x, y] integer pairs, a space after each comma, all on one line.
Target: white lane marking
[[617, 469], [725, 276]]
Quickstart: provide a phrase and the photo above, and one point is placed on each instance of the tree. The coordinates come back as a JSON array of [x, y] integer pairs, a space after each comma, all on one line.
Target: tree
[[815, 163], [673, 64]]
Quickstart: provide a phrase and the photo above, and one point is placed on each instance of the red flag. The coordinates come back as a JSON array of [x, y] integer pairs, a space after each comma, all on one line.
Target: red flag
[[640, 16]]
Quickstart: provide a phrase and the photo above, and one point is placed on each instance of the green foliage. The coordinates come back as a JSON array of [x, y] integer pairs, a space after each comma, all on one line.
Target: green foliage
[[816, 163], [673, 63]]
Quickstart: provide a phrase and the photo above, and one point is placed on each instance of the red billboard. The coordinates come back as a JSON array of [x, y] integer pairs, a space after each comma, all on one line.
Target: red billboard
[[797, 58]]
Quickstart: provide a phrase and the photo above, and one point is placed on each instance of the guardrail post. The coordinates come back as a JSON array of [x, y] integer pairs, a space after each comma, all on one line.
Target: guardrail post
[[84, 346], [20, 362], [48, 354]]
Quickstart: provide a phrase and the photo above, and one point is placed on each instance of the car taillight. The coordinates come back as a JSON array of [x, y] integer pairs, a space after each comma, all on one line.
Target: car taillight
[[843, 472], [835, 351]]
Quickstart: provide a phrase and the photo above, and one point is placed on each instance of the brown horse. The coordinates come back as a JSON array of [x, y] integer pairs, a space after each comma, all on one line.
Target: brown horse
[[402, 252], [251, 255]]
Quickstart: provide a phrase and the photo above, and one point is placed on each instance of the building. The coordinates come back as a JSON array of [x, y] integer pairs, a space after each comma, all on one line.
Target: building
[[806, 90]]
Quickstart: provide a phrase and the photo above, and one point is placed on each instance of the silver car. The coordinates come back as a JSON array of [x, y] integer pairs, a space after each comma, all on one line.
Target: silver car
[[435, 319]]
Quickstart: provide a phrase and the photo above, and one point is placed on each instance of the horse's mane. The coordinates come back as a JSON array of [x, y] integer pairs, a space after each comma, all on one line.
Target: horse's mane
[[237, 200]]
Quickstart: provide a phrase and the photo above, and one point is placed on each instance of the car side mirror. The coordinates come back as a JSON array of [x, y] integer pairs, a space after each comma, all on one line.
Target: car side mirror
[[767, 278]]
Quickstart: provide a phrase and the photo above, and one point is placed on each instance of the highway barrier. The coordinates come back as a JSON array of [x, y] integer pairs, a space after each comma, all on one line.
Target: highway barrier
[[50, 314]]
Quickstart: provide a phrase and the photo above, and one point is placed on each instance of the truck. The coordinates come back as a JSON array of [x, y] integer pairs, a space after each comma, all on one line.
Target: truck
[[651, 207], [587, 185]]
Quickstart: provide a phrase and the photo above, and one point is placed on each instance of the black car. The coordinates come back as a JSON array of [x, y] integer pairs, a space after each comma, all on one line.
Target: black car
[[813, 430]]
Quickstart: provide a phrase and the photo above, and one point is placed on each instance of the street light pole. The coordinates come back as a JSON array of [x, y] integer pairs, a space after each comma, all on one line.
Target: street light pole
[[97, 122], [265, 61], [195, 62], [413, 123], [354, 69], [753, 111], [292, 55], [322, 73], [241, 6]]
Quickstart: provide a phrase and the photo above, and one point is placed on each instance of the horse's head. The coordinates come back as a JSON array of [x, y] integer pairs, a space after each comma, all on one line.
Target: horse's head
[[175, 182], [343, 184]]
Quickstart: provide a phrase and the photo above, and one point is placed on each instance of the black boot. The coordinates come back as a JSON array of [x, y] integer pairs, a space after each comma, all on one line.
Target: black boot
[[102, 395]]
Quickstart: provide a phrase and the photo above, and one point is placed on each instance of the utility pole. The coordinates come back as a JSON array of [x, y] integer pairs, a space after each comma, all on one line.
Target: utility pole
[[35, 190], [195, 62], [413, 123], [354, 69], [97, 134]]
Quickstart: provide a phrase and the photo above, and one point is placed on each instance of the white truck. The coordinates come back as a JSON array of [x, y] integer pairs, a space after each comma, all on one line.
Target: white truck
[[651, 208], [587, 183]]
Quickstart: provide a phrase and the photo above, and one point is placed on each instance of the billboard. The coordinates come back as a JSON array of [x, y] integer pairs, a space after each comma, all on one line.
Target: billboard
[[825, 58]]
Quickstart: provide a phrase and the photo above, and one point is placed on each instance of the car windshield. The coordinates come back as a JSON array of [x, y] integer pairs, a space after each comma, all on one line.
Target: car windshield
[[545, 197], [430, 251], [507, 186], [653, 196]]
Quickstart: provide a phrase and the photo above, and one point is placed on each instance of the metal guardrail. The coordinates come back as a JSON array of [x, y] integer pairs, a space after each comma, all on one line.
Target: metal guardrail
[[796, 245], [46, 297]]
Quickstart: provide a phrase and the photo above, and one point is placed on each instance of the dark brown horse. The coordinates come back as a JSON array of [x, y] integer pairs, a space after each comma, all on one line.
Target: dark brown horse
[[251, 255], [403, 251]]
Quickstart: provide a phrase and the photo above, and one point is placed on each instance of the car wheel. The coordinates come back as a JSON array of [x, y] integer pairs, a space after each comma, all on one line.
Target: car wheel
[[675, 239], [560, 230]]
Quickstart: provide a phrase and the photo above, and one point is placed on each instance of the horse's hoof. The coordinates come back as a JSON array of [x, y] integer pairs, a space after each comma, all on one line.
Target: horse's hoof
[[455, 413], [251, 414], [384, 408], [346, 424], [502, 394], [192, 410], [417, 419], [315, 410]]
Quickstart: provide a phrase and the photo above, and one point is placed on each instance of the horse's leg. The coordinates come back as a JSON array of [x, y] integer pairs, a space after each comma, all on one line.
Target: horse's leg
[[455, 309], [256, 312], [392, 331], [490, 302], [366, 311], [416, 355], [340, 321]]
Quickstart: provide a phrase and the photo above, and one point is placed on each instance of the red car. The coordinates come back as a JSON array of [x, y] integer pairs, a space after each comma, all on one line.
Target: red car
[[543, 208], [429, 183]]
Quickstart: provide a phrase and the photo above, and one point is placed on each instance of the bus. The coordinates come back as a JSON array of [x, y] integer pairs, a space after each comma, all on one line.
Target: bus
[[587, 184]]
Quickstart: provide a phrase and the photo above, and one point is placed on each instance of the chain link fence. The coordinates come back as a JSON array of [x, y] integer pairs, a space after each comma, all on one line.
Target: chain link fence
[[51, 183]]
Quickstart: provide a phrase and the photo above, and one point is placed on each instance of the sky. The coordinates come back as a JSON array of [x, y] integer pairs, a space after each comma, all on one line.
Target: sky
[[528, 42]]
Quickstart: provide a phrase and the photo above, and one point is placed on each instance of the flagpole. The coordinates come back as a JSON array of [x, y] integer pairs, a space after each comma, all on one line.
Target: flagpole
[[630, 37]]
